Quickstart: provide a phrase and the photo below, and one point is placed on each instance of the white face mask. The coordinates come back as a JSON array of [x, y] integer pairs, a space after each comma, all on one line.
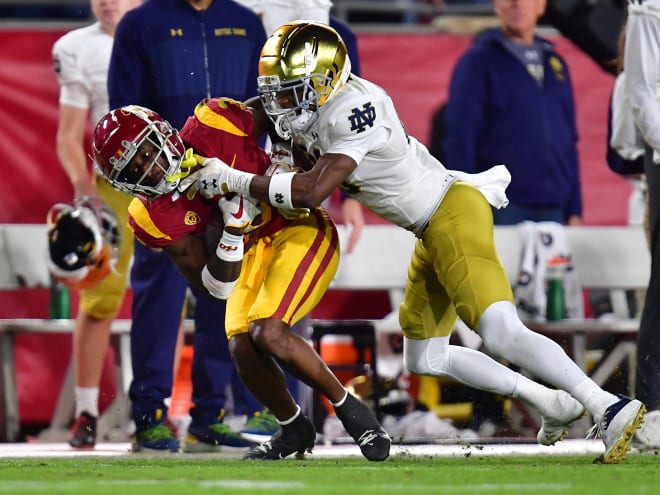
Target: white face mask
[[290, 124]]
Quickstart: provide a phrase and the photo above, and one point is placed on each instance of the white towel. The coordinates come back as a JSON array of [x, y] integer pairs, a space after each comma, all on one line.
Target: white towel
[[543, 241], [492, 183]]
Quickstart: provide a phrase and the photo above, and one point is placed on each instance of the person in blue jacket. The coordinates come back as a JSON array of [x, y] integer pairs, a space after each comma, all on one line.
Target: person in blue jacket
[[511, 101], [168, 55]]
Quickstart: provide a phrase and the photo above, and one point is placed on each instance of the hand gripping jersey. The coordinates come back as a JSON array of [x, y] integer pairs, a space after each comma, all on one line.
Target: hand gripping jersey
[[221, 128]]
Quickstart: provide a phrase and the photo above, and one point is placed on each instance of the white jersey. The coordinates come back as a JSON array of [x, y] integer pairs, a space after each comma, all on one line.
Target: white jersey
[[396, 177], [81, 59], [274, 13], [625, 139], [642, 67]]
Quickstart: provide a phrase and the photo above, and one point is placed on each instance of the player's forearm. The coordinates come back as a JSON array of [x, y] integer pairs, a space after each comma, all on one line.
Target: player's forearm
[[74, 162], [223, 267]]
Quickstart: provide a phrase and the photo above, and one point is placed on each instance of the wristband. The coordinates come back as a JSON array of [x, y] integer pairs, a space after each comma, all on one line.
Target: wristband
[[215, 287], [230, 247], [279, 190], [239, 182]]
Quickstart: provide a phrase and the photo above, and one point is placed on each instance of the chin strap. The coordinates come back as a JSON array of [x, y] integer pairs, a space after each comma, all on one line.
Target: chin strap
[[189, 161]]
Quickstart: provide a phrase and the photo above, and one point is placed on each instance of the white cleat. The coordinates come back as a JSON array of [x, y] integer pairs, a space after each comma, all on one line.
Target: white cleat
[[565, 411], [647, 436], [617, 428]]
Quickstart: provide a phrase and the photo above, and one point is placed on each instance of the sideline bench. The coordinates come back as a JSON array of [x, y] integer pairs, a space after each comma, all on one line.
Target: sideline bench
[[613, 258], [9, 328]]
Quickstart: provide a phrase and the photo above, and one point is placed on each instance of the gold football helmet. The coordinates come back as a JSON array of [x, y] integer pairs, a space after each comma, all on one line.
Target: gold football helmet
[[302, 65]]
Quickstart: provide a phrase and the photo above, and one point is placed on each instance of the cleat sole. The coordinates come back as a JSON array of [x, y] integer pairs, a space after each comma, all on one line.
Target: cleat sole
[[620, 449]]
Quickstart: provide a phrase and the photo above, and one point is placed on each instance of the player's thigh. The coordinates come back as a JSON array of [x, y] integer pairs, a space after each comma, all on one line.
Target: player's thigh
[[304, 261], [426, 310], [460, 242], [253, 268]]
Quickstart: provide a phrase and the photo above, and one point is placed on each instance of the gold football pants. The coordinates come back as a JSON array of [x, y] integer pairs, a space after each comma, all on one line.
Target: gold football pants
[[284, 276], [104, 299], [455, 269]]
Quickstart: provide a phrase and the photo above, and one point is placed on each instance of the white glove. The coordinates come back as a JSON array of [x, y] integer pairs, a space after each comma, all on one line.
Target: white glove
[[238, 212], [212, 179], [218, 178], [281, 159]]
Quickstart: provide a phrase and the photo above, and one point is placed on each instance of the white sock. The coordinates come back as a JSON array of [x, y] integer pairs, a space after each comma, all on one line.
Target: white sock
[[506, 336], [292, 418], [341, 402], [87, 400], [594, 398], [535, 394]]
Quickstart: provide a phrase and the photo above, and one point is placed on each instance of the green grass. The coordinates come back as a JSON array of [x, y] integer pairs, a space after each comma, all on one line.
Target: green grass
[[538, 475]]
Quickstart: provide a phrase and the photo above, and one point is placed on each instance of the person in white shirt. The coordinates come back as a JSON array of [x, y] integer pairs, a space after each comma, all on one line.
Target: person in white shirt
[[353, 138], [642, 69], [81, 58], [274, 13]]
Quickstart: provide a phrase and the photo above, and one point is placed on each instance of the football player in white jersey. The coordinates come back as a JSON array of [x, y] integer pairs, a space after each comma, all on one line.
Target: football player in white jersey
[[350, 129], [81, 58], [642, 69]]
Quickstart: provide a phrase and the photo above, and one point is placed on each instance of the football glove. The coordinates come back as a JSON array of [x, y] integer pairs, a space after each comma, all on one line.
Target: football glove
[[217, 178], [209, 178], [238, 212]]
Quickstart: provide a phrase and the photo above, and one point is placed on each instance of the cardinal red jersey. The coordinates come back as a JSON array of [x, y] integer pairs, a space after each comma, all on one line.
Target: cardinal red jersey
[[162, 221], [221, 128]]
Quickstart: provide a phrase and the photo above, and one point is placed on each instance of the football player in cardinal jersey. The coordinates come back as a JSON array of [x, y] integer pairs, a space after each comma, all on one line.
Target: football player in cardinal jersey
[[278, 277], [351, 126]]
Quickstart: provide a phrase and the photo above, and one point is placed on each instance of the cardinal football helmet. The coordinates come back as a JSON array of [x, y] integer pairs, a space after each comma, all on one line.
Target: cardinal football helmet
[[302, 65], [83, 242], [138, 151]]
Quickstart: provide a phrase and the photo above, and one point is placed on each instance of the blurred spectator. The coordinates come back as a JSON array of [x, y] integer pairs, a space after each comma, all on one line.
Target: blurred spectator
[[642, 69], [167, 56], [81, 59], [511, 102]]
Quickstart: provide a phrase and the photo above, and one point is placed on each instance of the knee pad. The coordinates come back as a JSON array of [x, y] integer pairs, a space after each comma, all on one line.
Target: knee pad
[[426, 356], [500, 327]]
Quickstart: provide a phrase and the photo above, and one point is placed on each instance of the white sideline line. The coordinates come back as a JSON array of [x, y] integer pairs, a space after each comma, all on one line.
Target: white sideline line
[[119, 449]]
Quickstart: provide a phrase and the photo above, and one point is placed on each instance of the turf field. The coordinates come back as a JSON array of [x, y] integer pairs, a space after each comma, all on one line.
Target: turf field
[[400, 474]]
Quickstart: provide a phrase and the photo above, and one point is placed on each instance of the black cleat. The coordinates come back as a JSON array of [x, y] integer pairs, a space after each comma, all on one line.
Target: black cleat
[[360, 422], [297, 437], [83, 432]]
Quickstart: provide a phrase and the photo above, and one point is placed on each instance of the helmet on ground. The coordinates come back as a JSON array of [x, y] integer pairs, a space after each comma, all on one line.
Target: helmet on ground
[[83, 242], [138, 151], [302, 65]]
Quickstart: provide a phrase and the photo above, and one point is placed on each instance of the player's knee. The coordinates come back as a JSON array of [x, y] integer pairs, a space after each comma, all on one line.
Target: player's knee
[[268, 335], [426, 356], [242, 351], [499, 327]]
